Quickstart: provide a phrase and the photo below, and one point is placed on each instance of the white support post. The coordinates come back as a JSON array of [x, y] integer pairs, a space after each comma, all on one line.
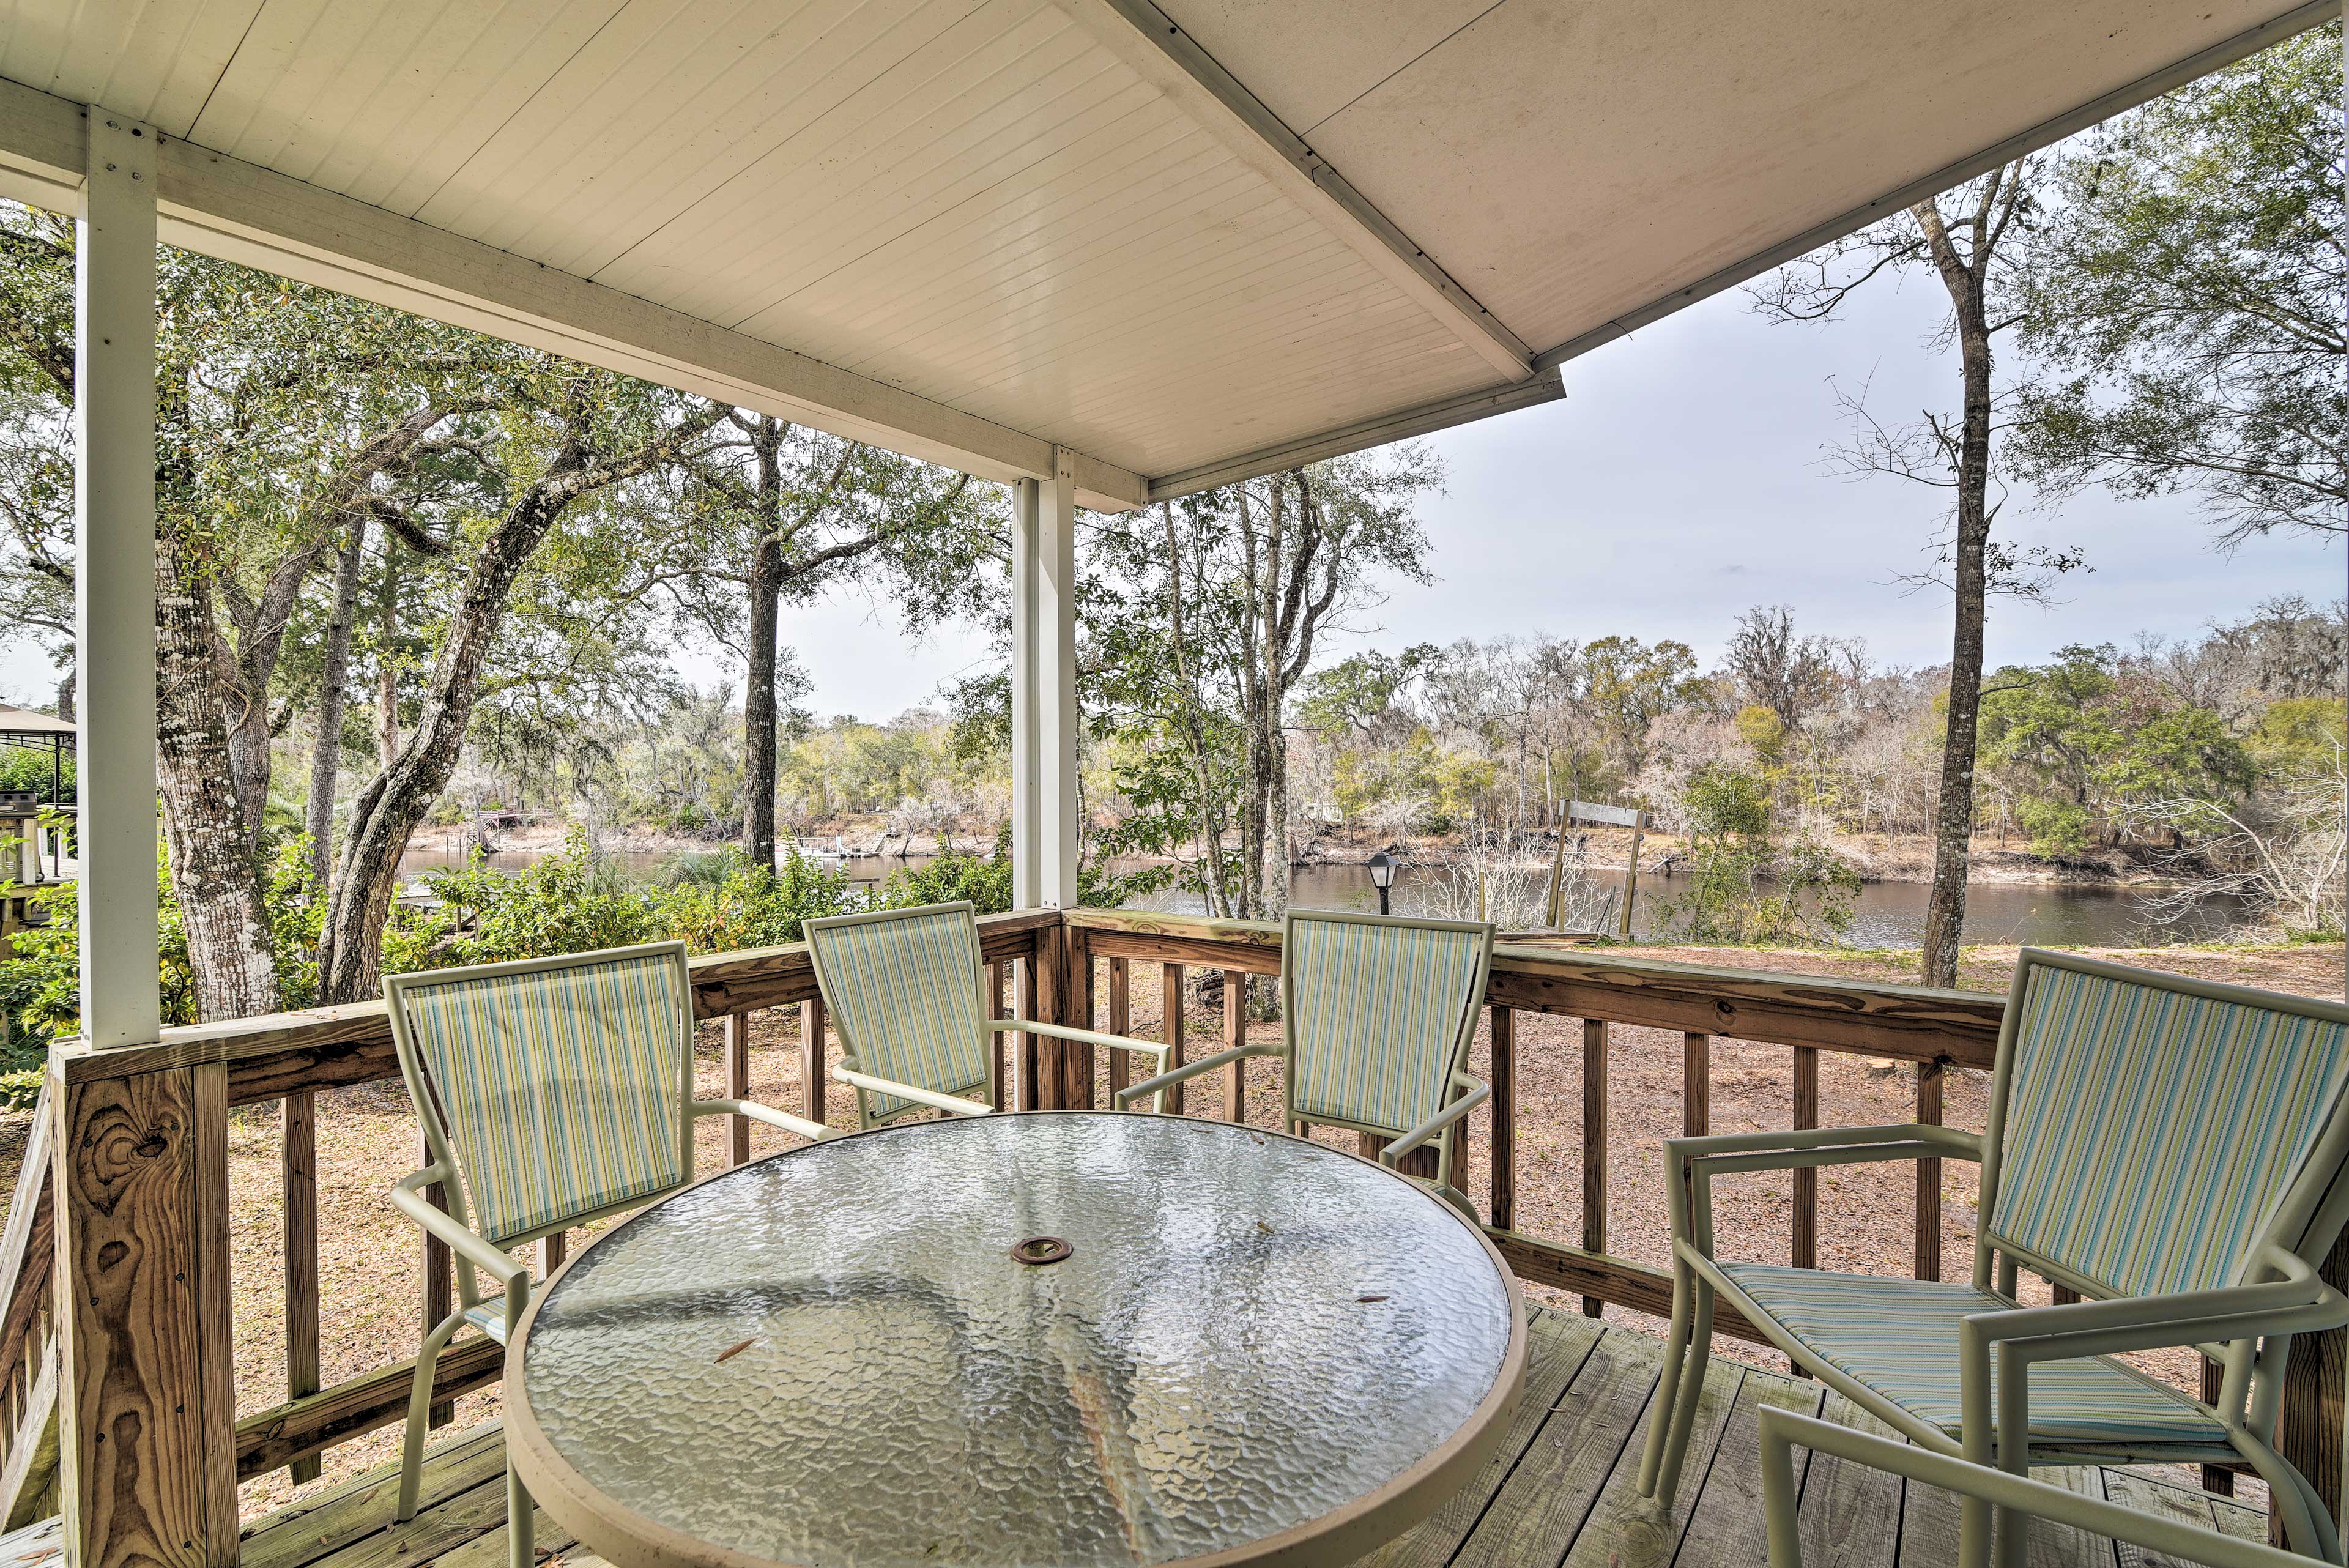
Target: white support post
[[114, 598], [1026, 844], [1058, 726]]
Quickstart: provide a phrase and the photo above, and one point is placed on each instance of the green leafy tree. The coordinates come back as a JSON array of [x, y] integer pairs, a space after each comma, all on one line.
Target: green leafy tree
[[2188, 282]]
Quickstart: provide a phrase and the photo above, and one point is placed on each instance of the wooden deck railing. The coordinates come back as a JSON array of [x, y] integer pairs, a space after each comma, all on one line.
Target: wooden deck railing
[[140, 1136]]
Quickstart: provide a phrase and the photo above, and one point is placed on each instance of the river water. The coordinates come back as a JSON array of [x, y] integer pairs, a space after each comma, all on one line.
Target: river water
[[1888, 915]]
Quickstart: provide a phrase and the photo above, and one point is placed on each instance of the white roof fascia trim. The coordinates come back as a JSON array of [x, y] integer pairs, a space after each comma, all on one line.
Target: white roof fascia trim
[[1545, 387], [2046, 133], [241, 213], [1171, 60]]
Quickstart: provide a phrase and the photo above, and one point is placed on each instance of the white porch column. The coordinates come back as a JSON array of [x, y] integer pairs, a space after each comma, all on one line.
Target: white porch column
[[114, 598], [1027, 853], [1044, 723]]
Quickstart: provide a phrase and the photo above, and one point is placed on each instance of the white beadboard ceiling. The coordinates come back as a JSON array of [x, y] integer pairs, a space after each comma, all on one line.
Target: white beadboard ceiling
[[1025, 216]]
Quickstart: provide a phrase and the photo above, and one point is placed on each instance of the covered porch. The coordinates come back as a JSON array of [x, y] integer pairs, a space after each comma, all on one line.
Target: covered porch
[[1107, 254]]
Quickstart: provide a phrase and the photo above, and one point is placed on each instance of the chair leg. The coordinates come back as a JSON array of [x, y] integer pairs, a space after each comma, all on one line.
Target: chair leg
[[520, 1521], [1685, 1400], [1660, 1413], [420, 1414], [2307, 1527]]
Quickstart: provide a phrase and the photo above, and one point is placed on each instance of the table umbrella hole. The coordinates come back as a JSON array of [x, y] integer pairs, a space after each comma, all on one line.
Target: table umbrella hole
[[1041, 1250]]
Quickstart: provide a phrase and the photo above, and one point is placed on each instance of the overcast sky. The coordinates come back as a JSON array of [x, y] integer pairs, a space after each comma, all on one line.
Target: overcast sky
[[1680, 483], [1677, 484]]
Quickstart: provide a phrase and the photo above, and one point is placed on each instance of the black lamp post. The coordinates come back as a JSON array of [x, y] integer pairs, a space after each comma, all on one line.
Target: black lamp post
[[1383, 870]]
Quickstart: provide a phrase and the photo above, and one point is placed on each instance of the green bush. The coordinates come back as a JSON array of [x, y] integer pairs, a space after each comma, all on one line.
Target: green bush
[[1743, 889]]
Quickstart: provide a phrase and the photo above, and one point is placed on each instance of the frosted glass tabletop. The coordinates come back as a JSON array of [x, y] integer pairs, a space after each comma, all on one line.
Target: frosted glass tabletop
[[834, 1356]]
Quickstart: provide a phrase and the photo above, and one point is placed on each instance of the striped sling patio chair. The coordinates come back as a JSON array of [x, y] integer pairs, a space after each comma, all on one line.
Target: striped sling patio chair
[[2172, 1150], [1376, 1015], [907, 988], [552, 1092]]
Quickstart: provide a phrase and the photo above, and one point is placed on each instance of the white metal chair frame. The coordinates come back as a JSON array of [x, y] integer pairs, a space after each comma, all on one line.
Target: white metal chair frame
[[978, 1020], [2247, 1327], [1783, 1430], [474, 1253], [1472, 1091]]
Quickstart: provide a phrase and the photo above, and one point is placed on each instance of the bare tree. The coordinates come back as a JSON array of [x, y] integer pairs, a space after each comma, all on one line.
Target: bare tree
[[1971, 239]]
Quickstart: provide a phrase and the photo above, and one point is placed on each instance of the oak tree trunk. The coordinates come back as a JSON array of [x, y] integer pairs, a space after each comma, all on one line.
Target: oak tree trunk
[[758, 700], [325, 761]]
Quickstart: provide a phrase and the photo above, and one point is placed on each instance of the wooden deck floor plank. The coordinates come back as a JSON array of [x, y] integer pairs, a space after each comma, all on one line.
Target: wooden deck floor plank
[[489, 1551], [1628, 1531], [304, 1531], [1850, 1514], [1547, 1496], [1559, 1344], [1928, 1527], [430, 1535], [2233, 1519], [2148, 1496], [1727, 1530]]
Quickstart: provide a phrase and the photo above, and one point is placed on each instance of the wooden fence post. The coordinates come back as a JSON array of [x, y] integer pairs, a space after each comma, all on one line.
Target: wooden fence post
[[298, 1156], [1175, 1002], [738, 1087], [814, 1087], [149, 1404], [1929, 1176], [1503, 1208], [997, 978], [1806, 1247], [2310, 1434], [1077, 1012], [1121, 1022], [1594, 1147], [1025, 988], [1696, 1085], [1235, 1034], [439, 1277]]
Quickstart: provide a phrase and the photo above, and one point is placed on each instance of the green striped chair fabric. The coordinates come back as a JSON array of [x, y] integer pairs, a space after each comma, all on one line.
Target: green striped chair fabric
[[2150, 1134], [1900, 1337], [903, 992], [558, 1089], [1376, 1015]]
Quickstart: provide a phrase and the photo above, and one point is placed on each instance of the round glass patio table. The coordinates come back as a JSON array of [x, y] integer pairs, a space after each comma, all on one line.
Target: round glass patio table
[[1256, 1349]]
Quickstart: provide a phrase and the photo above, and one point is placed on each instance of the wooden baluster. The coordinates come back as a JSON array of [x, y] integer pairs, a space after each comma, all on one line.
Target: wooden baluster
[[1696, 1085], [815, 1086], [1023, 993], [1121, 1022], [1594, 1147], [1235, 1034], [2310, 1433], [439, 1281], [1806, 1182], [1170, 1028], [1929, 1176], [2215, 1477], [738, 1087], [298, 1156], [1077, 1012], [552, 1251], [2062, 1296], [1504, 1204], [997, 978]]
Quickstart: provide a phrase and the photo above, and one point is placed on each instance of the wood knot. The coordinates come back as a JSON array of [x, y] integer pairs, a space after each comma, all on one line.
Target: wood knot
[[154, 1146]]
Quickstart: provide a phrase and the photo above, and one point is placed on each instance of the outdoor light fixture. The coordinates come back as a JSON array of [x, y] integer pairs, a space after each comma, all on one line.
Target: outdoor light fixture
[[1383, 870]]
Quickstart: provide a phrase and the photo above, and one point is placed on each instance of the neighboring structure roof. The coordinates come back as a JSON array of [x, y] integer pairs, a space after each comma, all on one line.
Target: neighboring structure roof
[[1185, 243], [22, 724]]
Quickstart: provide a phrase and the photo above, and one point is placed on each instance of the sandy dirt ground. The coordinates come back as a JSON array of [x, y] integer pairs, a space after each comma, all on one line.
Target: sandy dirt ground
[[370, 1260]]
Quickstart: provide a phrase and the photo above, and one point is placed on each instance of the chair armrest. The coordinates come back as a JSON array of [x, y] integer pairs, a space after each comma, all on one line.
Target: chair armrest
[[1479, 1092], [1783, 1430], [1127, 1095], [1082, 1036], [408, 1197], [1691, 1163], [767, 1114], [955, 1104], [2022, 1335]]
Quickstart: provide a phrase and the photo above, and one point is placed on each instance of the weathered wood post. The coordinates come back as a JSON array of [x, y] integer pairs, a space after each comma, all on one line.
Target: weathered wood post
[[148, 1411]]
